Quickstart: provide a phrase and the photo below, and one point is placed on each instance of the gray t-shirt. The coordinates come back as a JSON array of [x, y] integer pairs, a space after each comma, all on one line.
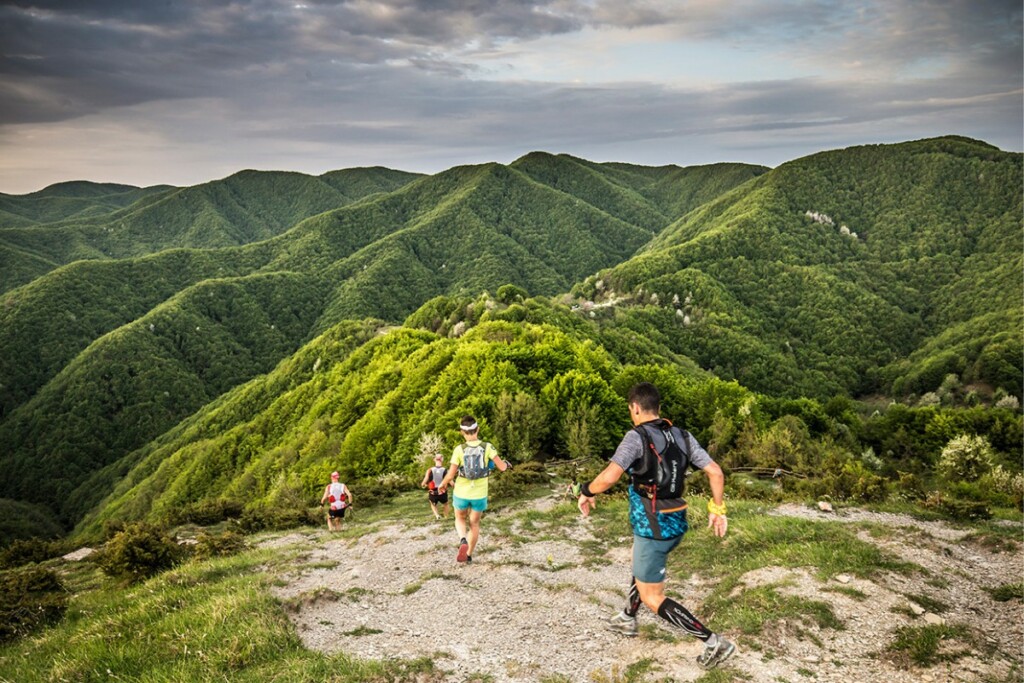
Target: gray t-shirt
[[632, 448]]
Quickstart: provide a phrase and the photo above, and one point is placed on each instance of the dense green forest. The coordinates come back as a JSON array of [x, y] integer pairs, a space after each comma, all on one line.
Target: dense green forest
[[169, 347]]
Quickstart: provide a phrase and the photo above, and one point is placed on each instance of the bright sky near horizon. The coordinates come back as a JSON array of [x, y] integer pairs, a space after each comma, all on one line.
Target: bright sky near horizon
[[146, 92]]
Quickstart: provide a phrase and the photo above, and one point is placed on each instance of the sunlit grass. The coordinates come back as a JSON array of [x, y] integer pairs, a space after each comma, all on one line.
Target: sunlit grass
[[209, 621]]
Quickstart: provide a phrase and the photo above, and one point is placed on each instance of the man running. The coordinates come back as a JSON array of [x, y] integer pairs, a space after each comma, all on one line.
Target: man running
[[656, 455], [471, 461], [432, 481], [340, 498]]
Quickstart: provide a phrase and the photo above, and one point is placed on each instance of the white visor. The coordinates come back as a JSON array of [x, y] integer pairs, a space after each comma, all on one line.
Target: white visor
[[468, 428]]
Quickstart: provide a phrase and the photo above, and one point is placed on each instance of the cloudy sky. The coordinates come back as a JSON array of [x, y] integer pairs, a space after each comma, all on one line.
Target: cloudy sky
[[146, 92]]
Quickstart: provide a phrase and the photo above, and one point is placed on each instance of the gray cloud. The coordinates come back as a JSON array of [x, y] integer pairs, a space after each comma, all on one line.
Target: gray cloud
[[407, 77]]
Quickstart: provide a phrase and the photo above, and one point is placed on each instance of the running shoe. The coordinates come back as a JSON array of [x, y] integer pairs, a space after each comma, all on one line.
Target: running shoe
[[463, 551], [713, 656], [622, 623]]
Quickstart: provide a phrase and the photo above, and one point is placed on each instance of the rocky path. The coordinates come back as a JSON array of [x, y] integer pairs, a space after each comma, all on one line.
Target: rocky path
[[533, 611]]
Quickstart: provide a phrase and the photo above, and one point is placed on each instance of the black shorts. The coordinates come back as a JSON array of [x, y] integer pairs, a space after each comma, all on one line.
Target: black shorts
[[436, 497], [336, 514]]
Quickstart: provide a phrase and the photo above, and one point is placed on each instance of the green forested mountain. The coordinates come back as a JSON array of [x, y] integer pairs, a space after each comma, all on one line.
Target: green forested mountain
[[75, 199], [106, 354], [246, 207], [871, 269]]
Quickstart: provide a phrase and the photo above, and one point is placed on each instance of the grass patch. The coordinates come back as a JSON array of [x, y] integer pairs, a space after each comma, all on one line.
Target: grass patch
[[758, 540], [362, 631], [418, 583], [929, 645], [309, 598], [1007, 592], [726, 675], [634, 673], [324, 564], [929, 603], [752, 608], [998, 542], [848, 591], [656, 634]]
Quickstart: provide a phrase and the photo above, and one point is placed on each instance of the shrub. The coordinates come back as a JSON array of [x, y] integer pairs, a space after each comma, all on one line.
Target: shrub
[[373, 491], [29, 599], [853, 481], [743, 485], [218, 545], [965, 458], [786, 444], [207, 512], [516, 481], [24, 552], [112, 527], [138, 552], [909, 487], [1011, 485], [273, 517], [956, 508]]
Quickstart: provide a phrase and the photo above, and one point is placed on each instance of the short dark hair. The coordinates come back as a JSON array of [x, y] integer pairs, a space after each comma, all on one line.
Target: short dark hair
[[646, 395], [468, 421]]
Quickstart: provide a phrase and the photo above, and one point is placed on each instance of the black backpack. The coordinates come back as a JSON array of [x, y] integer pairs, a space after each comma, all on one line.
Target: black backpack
[[662, 475]]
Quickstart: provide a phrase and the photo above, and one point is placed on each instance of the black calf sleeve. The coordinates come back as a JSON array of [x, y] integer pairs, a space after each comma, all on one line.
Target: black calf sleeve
[[677, 615], [634, 599]]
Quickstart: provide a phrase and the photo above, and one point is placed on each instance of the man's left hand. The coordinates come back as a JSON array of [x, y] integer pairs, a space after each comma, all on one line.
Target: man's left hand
[[586, 504]]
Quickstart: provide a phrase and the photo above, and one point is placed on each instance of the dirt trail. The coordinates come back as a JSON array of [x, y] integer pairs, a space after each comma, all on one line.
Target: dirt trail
[[526, 611]]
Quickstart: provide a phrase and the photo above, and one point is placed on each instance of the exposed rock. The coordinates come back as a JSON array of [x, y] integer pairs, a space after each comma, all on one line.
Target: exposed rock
[[79, 554]]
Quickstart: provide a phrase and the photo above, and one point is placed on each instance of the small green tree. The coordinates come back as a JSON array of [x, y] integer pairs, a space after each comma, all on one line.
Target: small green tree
[[579, 430], [965, 458], [519, 425], [510, 294]]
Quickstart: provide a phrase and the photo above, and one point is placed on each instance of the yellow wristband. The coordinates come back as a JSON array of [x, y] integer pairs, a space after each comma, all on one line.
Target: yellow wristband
[[714, 509]]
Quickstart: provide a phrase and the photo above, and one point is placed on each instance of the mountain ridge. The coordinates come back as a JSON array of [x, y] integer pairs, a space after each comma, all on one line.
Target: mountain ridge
[[756, 281]]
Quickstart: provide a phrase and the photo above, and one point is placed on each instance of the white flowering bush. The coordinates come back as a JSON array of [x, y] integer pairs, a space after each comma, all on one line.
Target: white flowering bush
[[1009, 401], [965, 458]]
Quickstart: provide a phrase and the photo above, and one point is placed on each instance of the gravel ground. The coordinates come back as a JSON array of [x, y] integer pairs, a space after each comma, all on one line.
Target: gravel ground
[[523, 612]]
